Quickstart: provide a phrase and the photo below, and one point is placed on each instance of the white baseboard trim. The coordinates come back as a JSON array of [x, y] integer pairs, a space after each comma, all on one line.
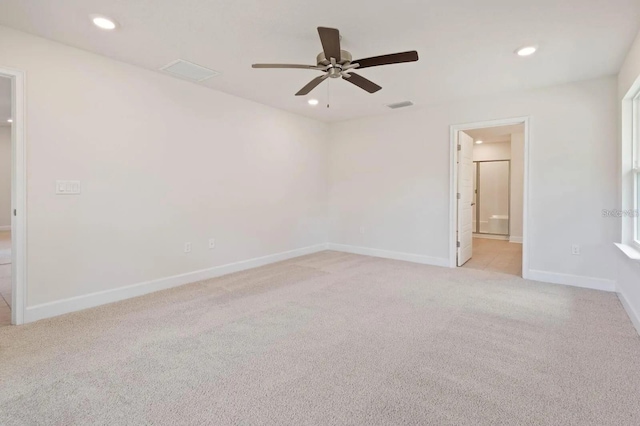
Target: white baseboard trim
[[633, 315], [407, 257], [518, 240], [572, 280], [491, 237], [65, 306], [5, 228]]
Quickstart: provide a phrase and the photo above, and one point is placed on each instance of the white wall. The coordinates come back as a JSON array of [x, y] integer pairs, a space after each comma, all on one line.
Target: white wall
[[5, 176], [492, 151], [390, 174], [628, 279], [162, 162], [630, 69], [517, 187]]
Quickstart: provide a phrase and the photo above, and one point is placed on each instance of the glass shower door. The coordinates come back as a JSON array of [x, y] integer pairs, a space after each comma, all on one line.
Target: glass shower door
[[493, 197]]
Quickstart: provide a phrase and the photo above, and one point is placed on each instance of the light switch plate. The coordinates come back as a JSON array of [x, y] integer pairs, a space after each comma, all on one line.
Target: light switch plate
[[68, 187]]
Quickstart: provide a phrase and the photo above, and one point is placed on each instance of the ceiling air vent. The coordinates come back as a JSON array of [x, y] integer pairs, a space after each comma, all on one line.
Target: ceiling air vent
[[188, 70], [400, 105]]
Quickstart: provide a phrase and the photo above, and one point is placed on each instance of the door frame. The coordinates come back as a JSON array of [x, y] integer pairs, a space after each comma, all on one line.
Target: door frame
[[453, 183], [18, 195]]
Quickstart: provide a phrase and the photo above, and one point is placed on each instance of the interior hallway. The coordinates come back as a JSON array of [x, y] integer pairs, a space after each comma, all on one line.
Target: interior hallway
[[5, 278], [496, 256]]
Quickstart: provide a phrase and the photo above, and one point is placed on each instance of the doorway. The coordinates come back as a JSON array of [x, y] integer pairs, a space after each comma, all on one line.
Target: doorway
[[13, 256], [489, 188], [6, 156]]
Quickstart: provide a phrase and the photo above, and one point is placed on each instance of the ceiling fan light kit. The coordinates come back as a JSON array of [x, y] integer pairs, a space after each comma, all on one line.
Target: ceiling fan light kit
[[337, 63]]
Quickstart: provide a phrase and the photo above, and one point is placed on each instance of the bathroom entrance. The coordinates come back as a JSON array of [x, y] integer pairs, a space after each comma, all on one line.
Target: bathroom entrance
[[489, 199]]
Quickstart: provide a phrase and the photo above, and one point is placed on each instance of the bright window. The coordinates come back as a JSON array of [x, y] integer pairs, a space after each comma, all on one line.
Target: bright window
[[635, 214], [637, 206]]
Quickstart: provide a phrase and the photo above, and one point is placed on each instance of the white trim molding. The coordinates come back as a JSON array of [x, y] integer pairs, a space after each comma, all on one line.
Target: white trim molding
[[573, 280], [5, 228], [633, 315], [395, 255], [518, 240], [18, 194], [629, 251], [453, 183], [73, 304]]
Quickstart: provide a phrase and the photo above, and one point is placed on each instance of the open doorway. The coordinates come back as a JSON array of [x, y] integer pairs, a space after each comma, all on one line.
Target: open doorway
[[6, 156], [490, 196], [13, 245]]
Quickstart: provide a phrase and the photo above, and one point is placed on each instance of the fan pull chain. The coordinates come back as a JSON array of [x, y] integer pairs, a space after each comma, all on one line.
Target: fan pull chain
[[328, 92]]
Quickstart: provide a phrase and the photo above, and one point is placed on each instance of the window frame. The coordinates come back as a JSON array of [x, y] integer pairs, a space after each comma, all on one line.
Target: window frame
[[635, 170]]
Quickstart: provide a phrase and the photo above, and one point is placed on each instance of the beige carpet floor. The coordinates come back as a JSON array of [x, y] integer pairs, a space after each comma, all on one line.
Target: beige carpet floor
[[331, 338]]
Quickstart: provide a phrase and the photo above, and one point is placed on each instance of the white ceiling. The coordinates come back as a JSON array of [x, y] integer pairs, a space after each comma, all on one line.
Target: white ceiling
[[495, 134], [5, 101], [465, 46]]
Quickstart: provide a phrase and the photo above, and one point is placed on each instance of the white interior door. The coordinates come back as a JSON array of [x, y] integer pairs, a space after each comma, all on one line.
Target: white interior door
[[465, 198]]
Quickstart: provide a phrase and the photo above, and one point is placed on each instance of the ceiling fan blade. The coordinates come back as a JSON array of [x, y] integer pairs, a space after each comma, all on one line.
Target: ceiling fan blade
[[362, 83], [330, 39], [311, 85], [394, 58], [306, 67]]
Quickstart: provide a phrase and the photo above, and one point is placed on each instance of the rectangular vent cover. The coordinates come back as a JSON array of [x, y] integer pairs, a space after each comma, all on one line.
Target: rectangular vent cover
[[400, 105], [189, 70]]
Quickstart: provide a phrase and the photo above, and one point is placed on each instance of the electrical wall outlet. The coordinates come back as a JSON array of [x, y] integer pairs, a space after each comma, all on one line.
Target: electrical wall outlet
[[68, 187], [212, 243], [575, 250], [187, 247]]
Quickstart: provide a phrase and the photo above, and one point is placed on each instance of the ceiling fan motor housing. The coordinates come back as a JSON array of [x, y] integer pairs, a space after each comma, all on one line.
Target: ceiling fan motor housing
[[334, 71], [344, 59]]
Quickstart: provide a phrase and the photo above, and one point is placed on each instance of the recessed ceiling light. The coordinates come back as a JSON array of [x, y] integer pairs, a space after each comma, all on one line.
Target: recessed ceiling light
[[313, 102], [526, 51], [103, 22], [9, 121], [478, 142]]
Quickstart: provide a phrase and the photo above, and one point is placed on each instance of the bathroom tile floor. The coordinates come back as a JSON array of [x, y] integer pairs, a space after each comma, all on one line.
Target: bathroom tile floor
[[5, 278], [496, 256]]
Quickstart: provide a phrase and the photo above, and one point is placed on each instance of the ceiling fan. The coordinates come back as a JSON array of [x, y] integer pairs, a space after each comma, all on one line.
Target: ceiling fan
[[336, 63]]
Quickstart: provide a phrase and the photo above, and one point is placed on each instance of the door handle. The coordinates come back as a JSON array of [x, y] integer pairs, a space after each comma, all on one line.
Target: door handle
[[473, 204]]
